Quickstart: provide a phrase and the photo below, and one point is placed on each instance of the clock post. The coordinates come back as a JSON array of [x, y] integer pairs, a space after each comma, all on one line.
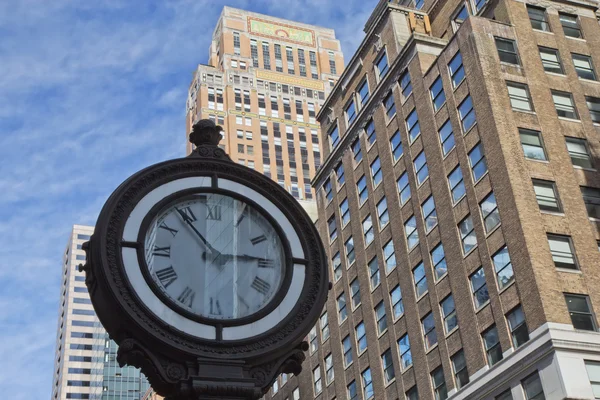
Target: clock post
[[207, 274]]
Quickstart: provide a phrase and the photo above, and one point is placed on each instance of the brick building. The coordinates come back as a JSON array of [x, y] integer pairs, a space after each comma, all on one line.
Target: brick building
[[459, 202]]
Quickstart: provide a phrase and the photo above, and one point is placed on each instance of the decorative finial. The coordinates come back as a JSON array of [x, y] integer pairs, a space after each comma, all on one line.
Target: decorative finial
[[205, 132]]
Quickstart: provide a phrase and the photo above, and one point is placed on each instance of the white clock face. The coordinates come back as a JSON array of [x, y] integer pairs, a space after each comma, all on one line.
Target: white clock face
[[215, 256]]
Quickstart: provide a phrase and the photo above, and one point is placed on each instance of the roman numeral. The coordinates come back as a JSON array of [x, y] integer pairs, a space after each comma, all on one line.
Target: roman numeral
[[258, 239], [265, 263], [213, 213], [165, 227], [187, 214], [260, 285], [187, 296], [240, 219], [166, 276], [215, 308], [162, 251]]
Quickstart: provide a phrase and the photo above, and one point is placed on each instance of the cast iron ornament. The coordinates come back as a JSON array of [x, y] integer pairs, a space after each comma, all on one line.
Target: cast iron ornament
[[207, 274]]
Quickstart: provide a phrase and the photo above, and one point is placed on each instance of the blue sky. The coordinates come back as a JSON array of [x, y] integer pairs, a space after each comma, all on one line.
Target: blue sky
[[90, 92]]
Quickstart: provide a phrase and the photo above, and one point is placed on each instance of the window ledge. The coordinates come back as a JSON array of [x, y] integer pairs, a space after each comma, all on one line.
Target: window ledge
[[356, 308], [422, 183], [511, 64], [390, 382], [444, 156], [490, 233], [435, 112], [481, 177], [431, 230], [481, 307], [404, 99], [451, 332], [362, 352], [397, 319], [505, 288], [555, 74], [541, 31], [440, 278], [423, 295], [340, 187], [402, 371], [455, 88], [345, 319], [348, 366], [569, 119], [379, 335], [389, 120], [530, 112], [470, 129], [411, 142], [356, 164], [569, 271], [429, 350], [577, 39], [375, 288], [589, 80], [470, 251], [455, 203], [584, 169], [555, 213], [539, 161], [350, 265]]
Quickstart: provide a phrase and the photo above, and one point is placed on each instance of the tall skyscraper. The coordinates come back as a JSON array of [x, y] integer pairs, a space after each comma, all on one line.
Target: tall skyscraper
[[459, 201], [85, 364], [266, 80]]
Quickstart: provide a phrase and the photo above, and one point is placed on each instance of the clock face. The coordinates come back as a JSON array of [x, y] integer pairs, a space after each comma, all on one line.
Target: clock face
[[215, 256]]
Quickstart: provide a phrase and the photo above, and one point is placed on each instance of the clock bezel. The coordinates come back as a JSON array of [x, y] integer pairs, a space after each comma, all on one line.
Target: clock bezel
[[189, 194]]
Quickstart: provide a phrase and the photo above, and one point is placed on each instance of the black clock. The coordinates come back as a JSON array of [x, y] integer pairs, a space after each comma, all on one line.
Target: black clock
[[207, 274]]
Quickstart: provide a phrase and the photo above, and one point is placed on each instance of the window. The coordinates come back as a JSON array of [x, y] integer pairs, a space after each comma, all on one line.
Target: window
[[593, 370], [459, 366], [388, 366], [312, 338], [361, 337], [438, 97], [449, 314], [403, 188], [479, 288], [466, 114], [429, 334], [570, 25], [370, 132], [382, 213], [396, 144], [381, 318], [382, 65], [412, 394], [457, 186], [318, 386], [332, 67], [236, 43], [420, 280], [446, 137], [457, 72], [397, 305], [467, 235], [491, 343], [351, 389], [356, 151], [583, 66], [563, 102], [503, 267], [367, 384], [518, 94], [363, 92], [334, 137], [429, 214], [329, 372], [490, 213], [506, 395], [578, 150], [551, 60], [355, 293], [438, 259], [368, 233], [580, 311], [327, 188], [591, 198], [412, 125], [349, 245], [412, 235], [405, 354], [347, 348], [405, 85], [538, 18], [507, 51], [439, 384], [374, 273], [324, 327], [421, 170], [390, 106], [376, 173], [593, 104], [350, 112], [478, 162], [546, 195], [561, 249], [363, 193], [332, 224], [276, 386], [390, 257], [532, 386], [419, 4], [339, 173], [532, 144], [345, 212], [337, 266], [517, 326]]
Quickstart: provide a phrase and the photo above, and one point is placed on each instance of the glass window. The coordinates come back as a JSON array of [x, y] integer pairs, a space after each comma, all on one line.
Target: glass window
[[347, 348], [593, 104], [397, 305], [490, 213], [565, 107], [429, 214], [570, 25], [579, 152], [329, 372], [345, 212], [466, 114], [420, 280], [457, 72], [412, 125], [421, 170], [388, 366], [457, 185], [339, 173], [439, 384], [368, 233], [381, 318], [507, 50], [532, 386], [405, 84], [532, 144], [403, 188], [580, 311], [591, 198], [503, 267], [446, 137], [374, 273], [376, 173], [334, 137], [438, 97], [312, 338], [341, 305], [328, 189], [491, 343], [518, 94], [449, 314], [562, 251], [459, 366], [479, 288], [355, 293], [546, 195], [350, 112], [584, 67], [405, 354], [412, 235], [363, 193], [382, 65], [352, 392], [478, 162], [296, 394], [367, 384], [363, 92], [337, 266], [370, 131], [349, 245], [361, 337], [390, 257], [438, 259], [324, 327], [331, 223], [517, 326], [461, 15], [396, 144], [318, 386], [356, 151], [593, 370], [551, 60], [538, 18], [467, 234], [390, 106]]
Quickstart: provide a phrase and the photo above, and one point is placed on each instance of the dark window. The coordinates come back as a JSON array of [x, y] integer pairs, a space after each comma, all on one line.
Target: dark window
[[390, 105], [517, 326], [593, 104], [412, 125], [405, 84], [363, 92], [457, 72], [492, 347], [446, 137], [438, 97], [396, 144], [579, 152], [439, 384], [370, 131], [405, 353], [466, 114], [503, 267], [459, 366], [507, 51], [591, 198], [382, 65], [479, 287], [532, 386], [583, 66], [449, 314], [570, 25], [580, 311], [538, 18], [565, 107], [532, 144], [551, 60]]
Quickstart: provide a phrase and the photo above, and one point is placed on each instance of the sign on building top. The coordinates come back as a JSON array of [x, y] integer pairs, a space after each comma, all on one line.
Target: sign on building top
[[288, 33]]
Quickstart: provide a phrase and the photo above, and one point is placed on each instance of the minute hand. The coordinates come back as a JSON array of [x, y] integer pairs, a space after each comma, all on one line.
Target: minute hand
[[188, 221]]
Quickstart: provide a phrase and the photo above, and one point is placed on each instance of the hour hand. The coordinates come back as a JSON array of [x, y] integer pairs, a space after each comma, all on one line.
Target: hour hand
[[262, 261], [189, 219]]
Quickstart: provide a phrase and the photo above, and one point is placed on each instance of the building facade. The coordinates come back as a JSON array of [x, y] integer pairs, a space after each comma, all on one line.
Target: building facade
[[459, 204], [266, 80], [85, 364]]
